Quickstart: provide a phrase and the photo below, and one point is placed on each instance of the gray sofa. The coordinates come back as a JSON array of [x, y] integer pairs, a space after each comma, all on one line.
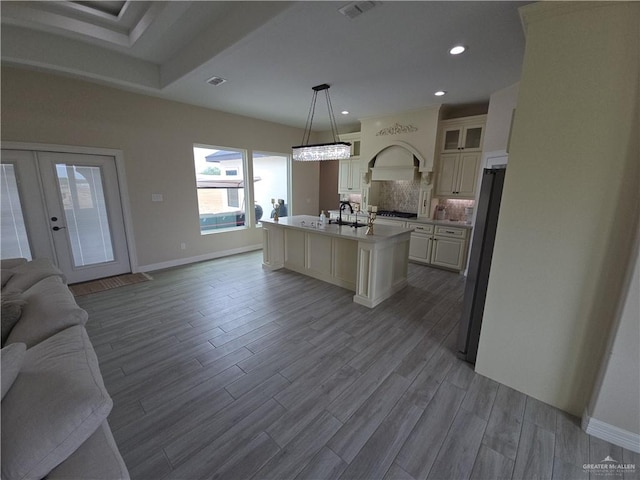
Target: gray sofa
[[54, 404]]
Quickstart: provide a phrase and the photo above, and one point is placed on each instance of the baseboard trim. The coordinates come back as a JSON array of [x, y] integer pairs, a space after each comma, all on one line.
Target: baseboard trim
[[610, 433], [199, 258]]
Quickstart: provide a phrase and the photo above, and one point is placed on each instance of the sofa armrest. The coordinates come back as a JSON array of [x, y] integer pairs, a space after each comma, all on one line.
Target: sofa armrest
[[12, 262], [98, 458]]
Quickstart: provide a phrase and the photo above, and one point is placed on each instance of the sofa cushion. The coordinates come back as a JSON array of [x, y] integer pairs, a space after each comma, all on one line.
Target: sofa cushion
[[28, 274], [97, 458], [49, 308], [11, 359], [55, 404], [11, 305]]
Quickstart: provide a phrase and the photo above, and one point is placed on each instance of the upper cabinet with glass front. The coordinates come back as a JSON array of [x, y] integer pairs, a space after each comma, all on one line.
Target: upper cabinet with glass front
[[349, 180], [354, 140], [463, 134]]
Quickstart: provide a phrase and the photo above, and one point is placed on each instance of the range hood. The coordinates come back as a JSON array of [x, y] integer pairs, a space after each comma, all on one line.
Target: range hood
[[394, 163]]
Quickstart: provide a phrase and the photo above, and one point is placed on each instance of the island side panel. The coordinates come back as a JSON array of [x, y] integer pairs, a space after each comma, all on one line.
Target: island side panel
[[272, 247], [330, 259], [382, 270], [345, 262], [319, 253], [294, 250]]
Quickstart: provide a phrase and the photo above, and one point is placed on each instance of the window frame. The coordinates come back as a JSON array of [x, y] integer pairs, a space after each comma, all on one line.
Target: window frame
[[289, 182], [248, 192]]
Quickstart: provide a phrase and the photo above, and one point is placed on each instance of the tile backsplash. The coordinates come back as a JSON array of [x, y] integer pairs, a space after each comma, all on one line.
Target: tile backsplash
[[400, 195], [404, 196], [455, 208]]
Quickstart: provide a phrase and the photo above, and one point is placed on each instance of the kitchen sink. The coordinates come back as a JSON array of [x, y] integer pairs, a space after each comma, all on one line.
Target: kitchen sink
[[347, 224]]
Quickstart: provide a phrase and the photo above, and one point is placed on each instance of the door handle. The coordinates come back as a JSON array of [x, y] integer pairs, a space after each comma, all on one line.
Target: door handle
[[55, 229]]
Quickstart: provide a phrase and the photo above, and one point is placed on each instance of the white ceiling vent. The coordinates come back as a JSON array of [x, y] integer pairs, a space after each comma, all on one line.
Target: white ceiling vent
[[353, 9], [215, 81]]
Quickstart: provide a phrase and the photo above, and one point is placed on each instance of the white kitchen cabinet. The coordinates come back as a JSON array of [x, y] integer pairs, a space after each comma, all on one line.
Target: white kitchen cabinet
[[349, 177], [421, 242], [448, 252], [463, 134], [460, 156], [457, 173], [438, 245]]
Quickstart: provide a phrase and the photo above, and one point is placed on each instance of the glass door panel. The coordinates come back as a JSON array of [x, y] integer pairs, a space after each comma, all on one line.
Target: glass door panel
[[85, 213], [13, 232], [451, 139], [473, 137]]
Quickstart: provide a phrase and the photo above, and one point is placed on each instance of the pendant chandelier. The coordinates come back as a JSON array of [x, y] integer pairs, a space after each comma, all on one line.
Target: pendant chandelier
[[321, 151]]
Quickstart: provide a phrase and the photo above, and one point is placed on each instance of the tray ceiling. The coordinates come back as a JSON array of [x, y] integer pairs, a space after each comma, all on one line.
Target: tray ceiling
[[390, 58]]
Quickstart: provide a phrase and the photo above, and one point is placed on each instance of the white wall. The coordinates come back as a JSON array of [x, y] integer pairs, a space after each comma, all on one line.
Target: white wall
[[564, 234], [496, 138], [614, 410], [156, 137], [501, 106]]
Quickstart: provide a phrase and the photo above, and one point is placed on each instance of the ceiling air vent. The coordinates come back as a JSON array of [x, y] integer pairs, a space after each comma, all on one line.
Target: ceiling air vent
[[353, 9], [215, 81]]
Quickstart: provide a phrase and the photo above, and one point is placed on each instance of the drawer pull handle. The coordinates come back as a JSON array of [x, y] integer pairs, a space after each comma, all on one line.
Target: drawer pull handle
[[449, 231]]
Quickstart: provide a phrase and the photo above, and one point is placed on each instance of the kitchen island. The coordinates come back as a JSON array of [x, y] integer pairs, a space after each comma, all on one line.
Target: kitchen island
[[374, 266]]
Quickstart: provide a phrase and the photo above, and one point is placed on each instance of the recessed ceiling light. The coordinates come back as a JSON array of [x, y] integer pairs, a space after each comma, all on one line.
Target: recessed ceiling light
[[440, 93], [457, 50], [344, 112]]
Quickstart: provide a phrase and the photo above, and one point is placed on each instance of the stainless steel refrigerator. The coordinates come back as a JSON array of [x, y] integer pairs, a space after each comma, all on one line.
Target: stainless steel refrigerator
[[484, 235]]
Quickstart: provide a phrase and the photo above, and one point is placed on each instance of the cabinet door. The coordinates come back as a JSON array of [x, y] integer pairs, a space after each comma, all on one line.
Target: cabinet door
[[448, 252], [451, 139], [472, 138], [344, 172], [349, 180], [354, 173], [447, 171], [420, 247], [467, 174]]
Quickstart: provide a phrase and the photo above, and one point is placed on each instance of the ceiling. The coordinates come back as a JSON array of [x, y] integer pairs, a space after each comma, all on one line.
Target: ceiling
[[390, 58]]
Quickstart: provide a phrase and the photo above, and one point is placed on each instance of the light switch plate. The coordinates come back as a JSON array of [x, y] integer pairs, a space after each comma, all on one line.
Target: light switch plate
[[156, 197]]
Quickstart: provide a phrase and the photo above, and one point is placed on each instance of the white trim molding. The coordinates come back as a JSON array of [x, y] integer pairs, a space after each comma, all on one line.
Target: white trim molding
[[198, 258], [610, 433]]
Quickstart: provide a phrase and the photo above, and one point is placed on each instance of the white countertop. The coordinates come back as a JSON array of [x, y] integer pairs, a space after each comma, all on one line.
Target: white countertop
[[448, 223], [381, 232]]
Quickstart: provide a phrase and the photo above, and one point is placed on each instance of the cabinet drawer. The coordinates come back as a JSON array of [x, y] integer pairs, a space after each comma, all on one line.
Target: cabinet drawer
[[421, 227], [451, 231], [388, 221]]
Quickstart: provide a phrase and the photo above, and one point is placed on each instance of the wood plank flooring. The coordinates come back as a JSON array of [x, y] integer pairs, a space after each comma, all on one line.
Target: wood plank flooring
[[224, 370]]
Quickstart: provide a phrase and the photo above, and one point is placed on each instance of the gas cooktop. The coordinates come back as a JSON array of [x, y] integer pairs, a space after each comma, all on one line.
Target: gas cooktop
[[395, 213]]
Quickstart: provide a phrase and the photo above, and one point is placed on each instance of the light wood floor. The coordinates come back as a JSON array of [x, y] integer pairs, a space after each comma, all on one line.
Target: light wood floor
[[224, 370]]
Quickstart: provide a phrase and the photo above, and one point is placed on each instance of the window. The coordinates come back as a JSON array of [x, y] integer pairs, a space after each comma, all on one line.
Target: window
[[223, 195], [272, 170], [221, 188]]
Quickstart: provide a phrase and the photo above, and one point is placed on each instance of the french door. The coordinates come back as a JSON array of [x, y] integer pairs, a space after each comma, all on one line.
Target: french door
[[64, 206]]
